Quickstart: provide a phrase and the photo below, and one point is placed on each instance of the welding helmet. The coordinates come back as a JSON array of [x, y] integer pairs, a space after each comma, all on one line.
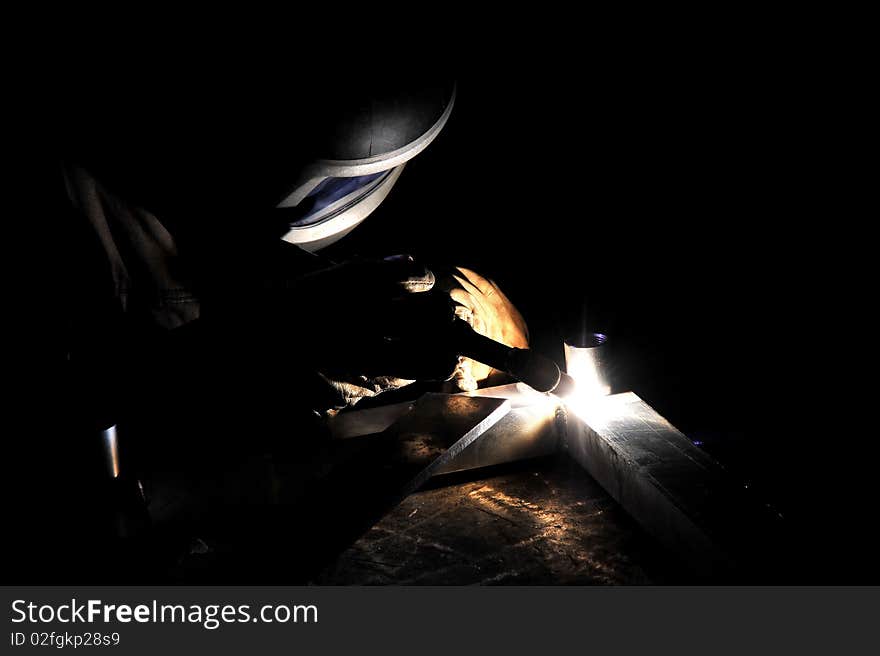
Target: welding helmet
[[361, 159], [307, 166]]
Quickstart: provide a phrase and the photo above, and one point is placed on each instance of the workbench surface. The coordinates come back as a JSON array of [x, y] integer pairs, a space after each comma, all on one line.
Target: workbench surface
[[540, 523]]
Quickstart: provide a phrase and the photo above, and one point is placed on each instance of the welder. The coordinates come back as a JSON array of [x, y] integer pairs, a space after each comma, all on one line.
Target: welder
[[207, 216]]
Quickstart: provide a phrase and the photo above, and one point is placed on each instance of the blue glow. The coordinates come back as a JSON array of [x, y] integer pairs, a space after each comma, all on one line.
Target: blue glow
[[328, 192]]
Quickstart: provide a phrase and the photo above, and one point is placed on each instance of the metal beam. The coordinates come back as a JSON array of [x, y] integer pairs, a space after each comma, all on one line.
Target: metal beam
[[678, 493], [673, 489]]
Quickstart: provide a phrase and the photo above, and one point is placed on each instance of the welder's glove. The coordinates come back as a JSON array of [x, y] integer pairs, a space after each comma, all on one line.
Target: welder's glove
[[489, 312], [367, 327]]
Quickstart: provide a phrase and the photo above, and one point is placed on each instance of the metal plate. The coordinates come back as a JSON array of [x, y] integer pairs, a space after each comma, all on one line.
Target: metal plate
[[439, 428]]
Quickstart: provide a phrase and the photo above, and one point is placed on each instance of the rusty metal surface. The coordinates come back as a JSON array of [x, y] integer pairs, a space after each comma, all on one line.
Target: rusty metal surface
[[547, 524]]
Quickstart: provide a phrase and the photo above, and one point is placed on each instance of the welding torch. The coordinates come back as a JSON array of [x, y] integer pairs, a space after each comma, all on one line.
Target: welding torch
[[535, 370]]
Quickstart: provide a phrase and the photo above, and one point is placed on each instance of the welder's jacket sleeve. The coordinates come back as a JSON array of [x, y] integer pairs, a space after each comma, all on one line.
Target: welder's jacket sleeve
[[215, 300], [141, 255]]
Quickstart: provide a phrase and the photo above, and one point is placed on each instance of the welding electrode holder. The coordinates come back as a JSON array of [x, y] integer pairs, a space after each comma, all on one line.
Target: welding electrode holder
[[533, 369]]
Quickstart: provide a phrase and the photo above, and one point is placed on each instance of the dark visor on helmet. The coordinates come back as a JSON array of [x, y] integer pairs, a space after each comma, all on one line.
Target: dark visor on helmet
[[333, 195]]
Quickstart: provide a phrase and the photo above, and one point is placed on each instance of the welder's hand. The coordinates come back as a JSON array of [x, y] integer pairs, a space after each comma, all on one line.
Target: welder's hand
[[481, 303], [370, 279], [367, 327]]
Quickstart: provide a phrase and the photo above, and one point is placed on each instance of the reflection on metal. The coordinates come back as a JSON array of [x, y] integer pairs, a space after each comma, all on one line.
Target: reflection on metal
[[439, 428], [357, 423], [585, 362], [530, 428], [110, 446], [676, 492], [524, 432], [520, 395]]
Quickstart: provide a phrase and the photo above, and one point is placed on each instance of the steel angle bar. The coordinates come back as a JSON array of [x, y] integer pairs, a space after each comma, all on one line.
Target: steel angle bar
[[676, 491]]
